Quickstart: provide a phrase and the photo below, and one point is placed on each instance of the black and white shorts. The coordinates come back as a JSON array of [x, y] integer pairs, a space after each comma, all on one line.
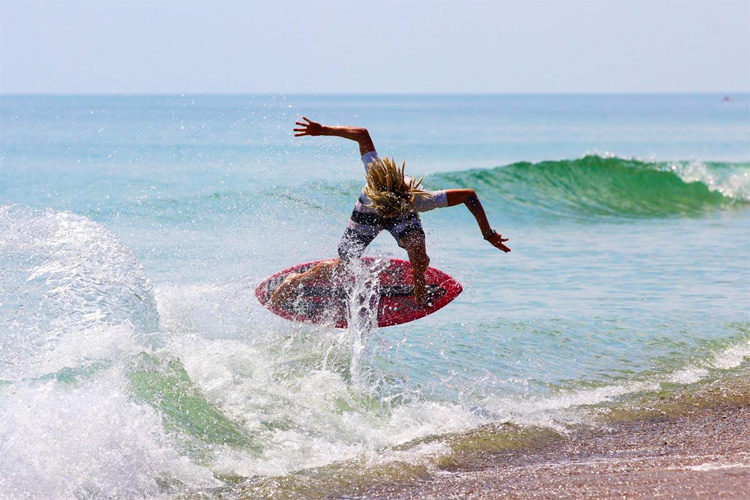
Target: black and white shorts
[[365, 224]]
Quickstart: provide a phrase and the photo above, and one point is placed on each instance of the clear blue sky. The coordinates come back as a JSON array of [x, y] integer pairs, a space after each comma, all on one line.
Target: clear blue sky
[[374, 46]]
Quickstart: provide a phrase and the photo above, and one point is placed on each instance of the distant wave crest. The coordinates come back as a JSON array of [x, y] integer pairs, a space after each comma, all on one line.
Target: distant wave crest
[[597, 186]]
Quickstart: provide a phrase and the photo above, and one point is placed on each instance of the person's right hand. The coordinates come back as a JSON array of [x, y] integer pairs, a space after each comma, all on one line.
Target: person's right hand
[[308, 128]]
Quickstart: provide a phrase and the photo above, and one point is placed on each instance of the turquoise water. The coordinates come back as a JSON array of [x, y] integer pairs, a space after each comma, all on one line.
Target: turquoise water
[[135, 360]]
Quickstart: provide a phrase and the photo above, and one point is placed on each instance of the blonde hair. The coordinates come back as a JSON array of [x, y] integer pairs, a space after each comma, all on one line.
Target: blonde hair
[[390, 193]]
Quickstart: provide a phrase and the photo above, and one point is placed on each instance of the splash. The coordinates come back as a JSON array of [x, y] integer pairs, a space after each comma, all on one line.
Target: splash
[[77, 309], [362, 299], [70, 292]]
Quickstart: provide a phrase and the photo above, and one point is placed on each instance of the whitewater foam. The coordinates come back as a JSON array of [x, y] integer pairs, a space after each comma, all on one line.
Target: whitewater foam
[[732, 357], [88, 439], [731, 181]]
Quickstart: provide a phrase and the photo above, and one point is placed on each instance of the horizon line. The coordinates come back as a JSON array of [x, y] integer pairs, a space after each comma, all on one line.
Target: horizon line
[[370, 94]]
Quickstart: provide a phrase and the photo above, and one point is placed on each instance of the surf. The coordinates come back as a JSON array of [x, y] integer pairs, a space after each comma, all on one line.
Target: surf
[[113, 383]]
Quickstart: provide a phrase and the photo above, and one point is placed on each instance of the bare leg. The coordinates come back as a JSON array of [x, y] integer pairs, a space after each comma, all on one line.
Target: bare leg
[[415, 247], [469, 198]]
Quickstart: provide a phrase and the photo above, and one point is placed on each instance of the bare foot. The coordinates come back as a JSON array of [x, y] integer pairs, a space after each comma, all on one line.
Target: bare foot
[[286, 289]]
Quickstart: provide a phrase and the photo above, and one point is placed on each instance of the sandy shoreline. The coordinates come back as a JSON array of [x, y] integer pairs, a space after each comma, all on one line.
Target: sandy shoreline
[[701, 453]]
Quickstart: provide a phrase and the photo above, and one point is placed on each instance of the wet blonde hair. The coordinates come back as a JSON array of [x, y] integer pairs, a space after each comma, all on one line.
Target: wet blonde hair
[[391, 195]]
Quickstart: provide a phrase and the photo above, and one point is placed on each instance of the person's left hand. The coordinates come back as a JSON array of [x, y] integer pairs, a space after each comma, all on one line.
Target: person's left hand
[[309, 128], [497, 241]]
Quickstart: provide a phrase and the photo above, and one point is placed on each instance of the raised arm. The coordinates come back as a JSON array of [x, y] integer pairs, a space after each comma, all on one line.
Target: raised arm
[[469, 198], [358, 134]]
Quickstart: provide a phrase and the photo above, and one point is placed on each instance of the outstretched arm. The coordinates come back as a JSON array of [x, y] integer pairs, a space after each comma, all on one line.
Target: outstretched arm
[[358, 134], [469, 198]]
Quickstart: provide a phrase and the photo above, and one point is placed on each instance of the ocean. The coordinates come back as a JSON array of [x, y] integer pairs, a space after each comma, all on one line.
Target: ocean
[[135, 361]]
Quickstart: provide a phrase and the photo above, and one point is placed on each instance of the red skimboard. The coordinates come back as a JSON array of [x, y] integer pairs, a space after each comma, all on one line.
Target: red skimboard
[[325, 302]]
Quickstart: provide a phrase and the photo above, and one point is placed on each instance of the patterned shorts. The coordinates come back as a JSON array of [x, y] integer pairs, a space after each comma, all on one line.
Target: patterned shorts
[[363, 227]]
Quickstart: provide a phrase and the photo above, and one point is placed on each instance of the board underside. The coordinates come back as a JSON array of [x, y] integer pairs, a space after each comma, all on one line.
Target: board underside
[[331, 303]]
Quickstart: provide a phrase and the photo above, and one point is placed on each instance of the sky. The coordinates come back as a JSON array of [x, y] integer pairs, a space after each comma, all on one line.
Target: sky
[[382, 47]]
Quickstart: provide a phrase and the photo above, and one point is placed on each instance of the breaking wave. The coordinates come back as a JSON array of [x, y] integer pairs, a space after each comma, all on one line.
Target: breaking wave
[[595, 186]]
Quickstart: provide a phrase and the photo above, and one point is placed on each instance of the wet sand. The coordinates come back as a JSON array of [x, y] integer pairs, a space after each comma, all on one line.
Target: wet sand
[[702, 452]]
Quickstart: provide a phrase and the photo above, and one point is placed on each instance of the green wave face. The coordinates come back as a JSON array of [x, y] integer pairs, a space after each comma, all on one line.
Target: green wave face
[[611, 187], [165, 385]]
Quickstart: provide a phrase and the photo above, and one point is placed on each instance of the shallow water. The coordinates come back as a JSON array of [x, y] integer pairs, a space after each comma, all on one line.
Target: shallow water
[[135, 360]]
